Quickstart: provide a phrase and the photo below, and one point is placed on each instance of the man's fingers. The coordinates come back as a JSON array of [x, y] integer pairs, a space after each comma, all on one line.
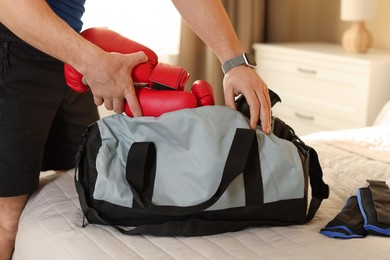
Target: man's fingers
[[133, 103], [118, 106], [254, 110], [130, 95], [108, 103], [98, 101], [265, 120], [265, 111], [259, 108], [138, 57], [229, 100]]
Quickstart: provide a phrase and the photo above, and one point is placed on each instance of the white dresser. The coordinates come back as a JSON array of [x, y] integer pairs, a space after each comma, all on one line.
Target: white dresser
[[322, 87]]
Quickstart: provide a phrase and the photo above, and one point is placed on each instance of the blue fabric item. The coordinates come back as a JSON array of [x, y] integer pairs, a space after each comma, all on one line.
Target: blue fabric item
[[374, 204], [375, 230], [366, 213], [340, 232], [70, 11], [348, 223]]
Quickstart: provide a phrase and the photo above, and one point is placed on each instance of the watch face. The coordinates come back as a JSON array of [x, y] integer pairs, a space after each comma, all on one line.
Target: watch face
[[250, 60]]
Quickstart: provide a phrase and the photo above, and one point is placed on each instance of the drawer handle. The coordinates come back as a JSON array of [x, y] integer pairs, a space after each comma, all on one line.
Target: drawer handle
[[307, 71], [304, 117]]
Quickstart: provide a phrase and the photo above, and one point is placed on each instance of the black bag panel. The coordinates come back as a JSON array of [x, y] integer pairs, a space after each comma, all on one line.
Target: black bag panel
[[120, 215], [86, 166], [284, 212]]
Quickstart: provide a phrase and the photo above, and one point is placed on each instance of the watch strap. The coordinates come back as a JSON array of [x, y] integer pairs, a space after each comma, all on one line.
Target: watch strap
[[242, 59]]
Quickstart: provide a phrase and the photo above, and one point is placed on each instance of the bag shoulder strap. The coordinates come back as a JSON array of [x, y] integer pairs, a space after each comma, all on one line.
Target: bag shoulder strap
[[320, 190]]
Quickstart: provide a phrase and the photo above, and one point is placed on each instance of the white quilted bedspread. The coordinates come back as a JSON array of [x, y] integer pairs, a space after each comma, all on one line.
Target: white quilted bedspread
[[50, 227]]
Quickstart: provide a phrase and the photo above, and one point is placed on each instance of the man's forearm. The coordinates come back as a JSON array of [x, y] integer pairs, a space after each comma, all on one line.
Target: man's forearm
[[208, 19], [38, 25]]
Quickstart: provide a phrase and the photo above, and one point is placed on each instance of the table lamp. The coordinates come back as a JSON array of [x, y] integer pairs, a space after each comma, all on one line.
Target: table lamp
[[357, 38]]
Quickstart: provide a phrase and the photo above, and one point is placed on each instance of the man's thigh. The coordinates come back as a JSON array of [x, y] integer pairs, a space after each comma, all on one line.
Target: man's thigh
[[39, 116]]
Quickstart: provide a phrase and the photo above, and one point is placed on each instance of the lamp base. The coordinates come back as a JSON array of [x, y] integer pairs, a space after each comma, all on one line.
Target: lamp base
[[357, 39]]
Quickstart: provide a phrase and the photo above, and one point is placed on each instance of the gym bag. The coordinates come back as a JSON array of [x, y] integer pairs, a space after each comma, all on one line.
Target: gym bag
[[197, 171]]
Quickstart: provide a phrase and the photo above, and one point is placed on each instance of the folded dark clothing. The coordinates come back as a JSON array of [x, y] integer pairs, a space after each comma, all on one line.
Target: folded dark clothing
[[374, 203], [348, 223]]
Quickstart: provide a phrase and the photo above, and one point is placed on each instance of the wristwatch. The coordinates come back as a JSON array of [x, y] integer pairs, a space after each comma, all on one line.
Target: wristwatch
[[242, 59]]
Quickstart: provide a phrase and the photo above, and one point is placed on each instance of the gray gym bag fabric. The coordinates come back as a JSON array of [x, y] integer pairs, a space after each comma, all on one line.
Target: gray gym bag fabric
[[194, 172], [191, 154]]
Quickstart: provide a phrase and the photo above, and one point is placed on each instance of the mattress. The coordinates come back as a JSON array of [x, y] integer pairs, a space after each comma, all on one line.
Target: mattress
[[50, 226]]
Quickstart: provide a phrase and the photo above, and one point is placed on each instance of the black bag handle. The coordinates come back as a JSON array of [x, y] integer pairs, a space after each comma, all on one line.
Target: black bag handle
[[243, 158]]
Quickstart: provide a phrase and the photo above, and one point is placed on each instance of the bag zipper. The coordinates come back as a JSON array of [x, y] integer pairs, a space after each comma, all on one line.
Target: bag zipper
[[83, 142]]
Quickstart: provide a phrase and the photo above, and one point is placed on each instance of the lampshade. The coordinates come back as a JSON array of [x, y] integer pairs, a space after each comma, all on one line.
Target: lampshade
[[358, 10]]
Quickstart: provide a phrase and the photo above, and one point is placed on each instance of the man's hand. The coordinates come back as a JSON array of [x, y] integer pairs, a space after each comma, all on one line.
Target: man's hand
[[111, 83], [245, 80]]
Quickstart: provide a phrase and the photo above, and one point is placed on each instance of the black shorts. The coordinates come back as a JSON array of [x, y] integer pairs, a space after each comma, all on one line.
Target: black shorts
[[41, 118]]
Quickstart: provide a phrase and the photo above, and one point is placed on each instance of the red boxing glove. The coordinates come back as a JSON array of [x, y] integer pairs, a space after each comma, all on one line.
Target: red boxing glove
[[203, 92], [161, 78], [157, 102], [156, 75]]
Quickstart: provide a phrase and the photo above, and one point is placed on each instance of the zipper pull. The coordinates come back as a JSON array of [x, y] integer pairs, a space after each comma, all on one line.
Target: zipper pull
[[83, 142]]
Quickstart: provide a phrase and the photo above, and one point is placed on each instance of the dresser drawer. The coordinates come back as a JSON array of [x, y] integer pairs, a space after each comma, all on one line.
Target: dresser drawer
[[322, 87], [333, 72], [309, 95], [306, 121], [323, 64]]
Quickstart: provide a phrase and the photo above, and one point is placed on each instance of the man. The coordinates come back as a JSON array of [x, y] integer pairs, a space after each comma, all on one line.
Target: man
[[41, 119]]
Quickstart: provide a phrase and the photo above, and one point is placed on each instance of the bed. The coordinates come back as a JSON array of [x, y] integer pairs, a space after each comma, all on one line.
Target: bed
[[50, 226]]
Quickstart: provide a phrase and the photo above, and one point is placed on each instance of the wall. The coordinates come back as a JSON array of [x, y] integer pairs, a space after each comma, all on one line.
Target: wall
[[379, 27], [319, 20], [152, 33]]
